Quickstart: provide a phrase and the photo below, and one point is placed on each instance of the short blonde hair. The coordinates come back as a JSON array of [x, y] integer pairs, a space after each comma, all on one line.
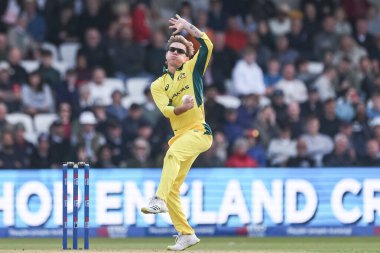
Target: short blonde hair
[[185, 42]]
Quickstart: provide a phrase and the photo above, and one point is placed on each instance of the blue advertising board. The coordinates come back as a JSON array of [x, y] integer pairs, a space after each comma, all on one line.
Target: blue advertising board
[[251, 202]]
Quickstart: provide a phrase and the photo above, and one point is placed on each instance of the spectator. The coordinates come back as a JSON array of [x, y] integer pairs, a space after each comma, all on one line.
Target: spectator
[[115, 141], [247, 76], [362, 37], [3, 120], [236, 37], [318, 144], [140, 155], [299, 39], [104, 158], [372, 159], [9, 158], [4, 46], [349, 49], [280, 24], [116, 110], [303, 72], [22, 147], [65, 115], [265, 35], [59, 144], [20, 38], [127, 56], [41, 157], [256, 150], [222, 62], [151, 112], [345, 110], [36, 23], [284, 54], [87, 135], [301, 159], [10, 92], [155, 52], [94, 15], [266, 125], [293, 120], [101, 90], [67, 26], [201, 24], [216, 16], [272, 76], [326, 83], [49, 74], [294, 90], [329, 120], [94, 51], [231, 129], [99, 110], [214, 111], [327, 39], [82, 70], [342, 26], [36, 96], [132, 122], [248, 110], [67, 91], [312, 106], [239, 157], [141, 32], [281, 148], [346, 76], [18, 73], [310, 21], [373, 18], [374, 110], [263, 53], [341, 155], [279, 105]]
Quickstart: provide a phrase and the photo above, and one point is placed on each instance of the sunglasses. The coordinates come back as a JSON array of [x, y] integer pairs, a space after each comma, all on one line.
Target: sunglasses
[[179, 50]]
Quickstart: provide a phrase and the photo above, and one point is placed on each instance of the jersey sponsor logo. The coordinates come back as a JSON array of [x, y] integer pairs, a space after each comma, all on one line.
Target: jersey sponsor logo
[[181, 76], [166, 87], [180, 91]]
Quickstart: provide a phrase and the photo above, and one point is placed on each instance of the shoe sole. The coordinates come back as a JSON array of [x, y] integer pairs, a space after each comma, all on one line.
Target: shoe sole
[[147, 211], [184, 248]]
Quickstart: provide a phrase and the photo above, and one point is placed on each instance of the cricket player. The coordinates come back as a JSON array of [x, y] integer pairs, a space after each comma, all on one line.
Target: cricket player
[[178, 93]]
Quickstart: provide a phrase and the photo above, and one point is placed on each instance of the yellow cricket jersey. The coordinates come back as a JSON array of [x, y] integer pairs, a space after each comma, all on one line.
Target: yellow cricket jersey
[[168, 90]]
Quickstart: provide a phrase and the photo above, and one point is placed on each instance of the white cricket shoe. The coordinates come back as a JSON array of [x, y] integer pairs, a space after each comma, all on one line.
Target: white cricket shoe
[[183, 242], [155, 205]]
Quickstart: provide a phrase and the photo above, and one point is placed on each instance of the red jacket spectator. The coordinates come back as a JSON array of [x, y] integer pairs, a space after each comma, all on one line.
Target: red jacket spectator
[[140, 24], [239, 157]]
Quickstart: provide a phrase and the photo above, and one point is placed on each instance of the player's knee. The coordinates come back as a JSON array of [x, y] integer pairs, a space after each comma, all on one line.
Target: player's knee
[[170, 155]]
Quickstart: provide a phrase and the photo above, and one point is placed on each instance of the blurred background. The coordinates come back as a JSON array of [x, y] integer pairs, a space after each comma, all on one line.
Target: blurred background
[[291, 83]]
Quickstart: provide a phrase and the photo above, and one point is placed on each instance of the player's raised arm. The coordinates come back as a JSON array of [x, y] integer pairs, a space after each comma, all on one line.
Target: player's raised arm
[[181, 24]]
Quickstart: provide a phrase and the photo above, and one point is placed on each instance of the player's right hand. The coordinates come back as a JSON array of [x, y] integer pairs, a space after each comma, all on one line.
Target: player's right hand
[[188, 102]]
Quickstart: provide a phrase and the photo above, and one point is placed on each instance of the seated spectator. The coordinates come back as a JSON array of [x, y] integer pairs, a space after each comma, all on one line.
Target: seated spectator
[[217, 16], [9, 157], [311, 21], [346, 76], [284, 54], [19, 37], [231, 129], [239, 157], [116, 110], [4, 46], [104, 158], [59, 144], [318, 144], [374, 110], [87, 135], [373, 18], [132, 122], [301, 159], [22, 146], [345, 110], [41, 157], [266, 125], [341, 156], [262, 42], [215, 112], [236, 37], [151, 112], [329, 121], [82, 70], [248, 110], [326, 40], [294, 89], [67, 92], [36, 25], [325, 83], [100, 89], [293, 120], [115, 141], [372, 158], [256, 150], [49, 74], [273, 75], [312, 106], [349, 49], [18, 73], [155, 52], [3, 114], [10, 92], [298, 38], [281, 148], [36, 96], [127, 56], [362, 36], [280, 24], [247, 76], [94, 51], [303, 72], [342, 26], [140, 155], [279, 105], [222, 62]]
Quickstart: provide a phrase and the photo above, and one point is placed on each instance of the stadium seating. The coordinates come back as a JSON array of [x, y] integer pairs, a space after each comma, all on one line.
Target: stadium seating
[[43, 121], [68, 53]]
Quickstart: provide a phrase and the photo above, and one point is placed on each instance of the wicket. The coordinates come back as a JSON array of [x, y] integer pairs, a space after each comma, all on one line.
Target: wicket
[[75, 166]]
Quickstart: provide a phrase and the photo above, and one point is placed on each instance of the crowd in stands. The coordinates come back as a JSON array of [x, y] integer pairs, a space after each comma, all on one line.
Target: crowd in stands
[[291, 83]]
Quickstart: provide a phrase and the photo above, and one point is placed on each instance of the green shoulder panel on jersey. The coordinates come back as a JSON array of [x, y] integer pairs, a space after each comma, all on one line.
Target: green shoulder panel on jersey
[[198, 72], [207, 129]]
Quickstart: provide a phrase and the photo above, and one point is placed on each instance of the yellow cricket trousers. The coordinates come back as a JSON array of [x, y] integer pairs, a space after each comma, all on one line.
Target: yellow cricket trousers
[[183, 151]]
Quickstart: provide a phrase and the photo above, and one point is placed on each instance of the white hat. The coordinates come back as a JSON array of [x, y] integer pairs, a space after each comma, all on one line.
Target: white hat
[[87, 117], [4, 65], [375, 122]]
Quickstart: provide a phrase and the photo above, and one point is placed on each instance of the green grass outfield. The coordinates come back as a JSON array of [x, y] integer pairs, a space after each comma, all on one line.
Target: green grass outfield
[[207, 244]]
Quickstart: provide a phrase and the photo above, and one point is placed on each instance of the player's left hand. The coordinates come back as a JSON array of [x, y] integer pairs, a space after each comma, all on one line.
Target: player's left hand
[[177, 24]]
